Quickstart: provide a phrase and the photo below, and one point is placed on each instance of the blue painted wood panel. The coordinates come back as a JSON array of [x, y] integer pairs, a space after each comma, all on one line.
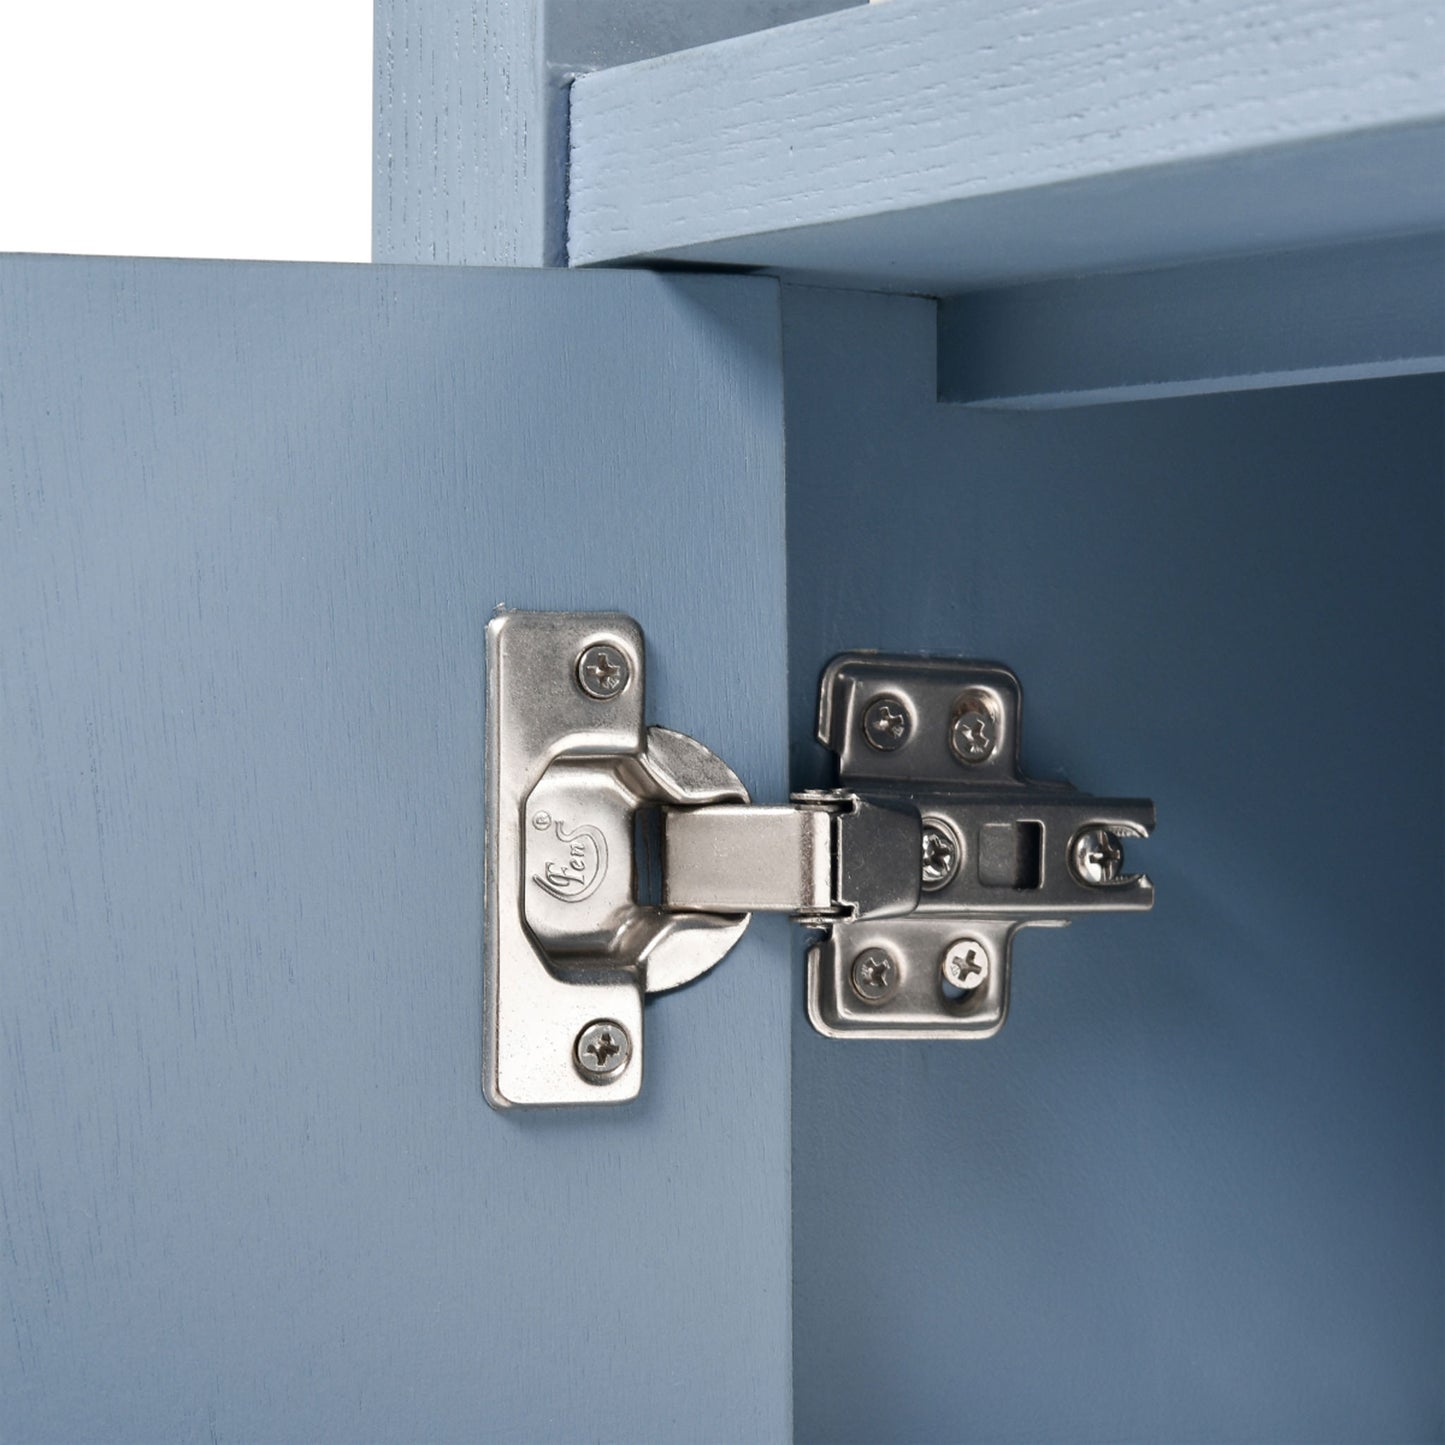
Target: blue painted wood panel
[[938, 148], [253, 520], [1194, 1190], [1297, 318], [469, 155]]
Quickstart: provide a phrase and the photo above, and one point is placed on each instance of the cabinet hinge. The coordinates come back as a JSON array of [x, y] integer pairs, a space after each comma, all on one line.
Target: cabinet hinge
[[624, 859]]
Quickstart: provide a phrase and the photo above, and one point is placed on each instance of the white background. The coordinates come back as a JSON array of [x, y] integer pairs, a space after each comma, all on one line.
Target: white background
[[186, 128]]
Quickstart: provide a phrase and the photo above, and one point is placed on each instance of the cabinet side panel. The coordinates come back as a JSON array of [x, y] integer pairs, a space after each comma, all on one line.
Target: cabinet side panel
[[253, 521], [1193, 1190], [467, 156]]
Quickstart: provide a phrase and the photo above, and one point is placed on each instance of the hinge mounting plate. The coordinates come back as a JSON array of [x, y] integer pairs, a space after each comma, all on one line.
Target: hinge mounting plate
[[997, 848]]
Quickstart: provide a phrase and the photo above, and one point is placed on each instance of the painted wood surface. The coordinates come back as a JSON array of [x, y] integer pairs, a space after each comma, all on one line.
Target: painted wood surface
[[253, 521], [462, 169], [1348, 313], [470, 143], [932, 147], [1194, 1189], [583, 35]]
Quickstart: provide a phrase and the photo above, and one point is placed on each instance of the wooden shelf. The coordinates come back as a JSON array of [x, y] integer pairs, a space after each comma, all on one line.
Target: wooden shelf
[[938, 148]]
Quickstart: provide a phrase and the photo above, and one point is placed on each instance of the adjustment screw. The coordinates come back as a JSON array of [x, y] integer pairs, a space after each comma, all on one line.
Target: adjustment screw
[[874, 976], [940, 854], [974, 734], [966, 965], [603, 1050], [603, 672], [886, 724], [1097, 857]]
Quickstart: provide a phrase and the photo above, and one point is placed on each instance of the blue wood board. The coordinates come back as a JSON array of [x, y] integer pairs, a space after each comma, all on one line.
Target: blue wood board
[[1194, 1190], [469, 154], [253, 521], [1340, 313], [930, 147], [465, 169]]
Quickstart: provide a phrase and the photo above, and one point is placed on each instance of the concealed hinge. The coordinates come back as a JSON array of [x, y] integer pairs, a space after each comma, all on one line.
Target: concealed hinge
[[624, 860]]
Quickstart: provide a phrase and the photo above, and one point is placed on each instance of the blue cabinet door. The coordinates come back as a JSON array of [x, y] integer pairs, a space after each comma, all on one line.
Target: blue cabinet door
[[253, 521]]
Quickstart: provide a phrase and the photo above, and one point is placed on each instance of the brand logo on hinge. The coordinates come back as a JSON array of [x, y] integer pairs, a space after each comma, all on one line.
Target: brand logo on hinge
[[580, 862]]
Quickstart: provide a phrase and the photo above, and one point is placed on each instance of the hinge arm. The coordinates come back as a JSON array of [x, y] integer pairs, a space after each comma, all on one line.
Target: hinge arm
[[838, 857], [826, 856]]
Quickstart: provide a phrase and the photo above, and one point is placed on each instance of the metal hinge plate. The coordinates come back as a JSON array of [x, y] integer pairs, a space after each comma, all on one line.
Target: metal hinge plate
[[917, 869], [998, 851]]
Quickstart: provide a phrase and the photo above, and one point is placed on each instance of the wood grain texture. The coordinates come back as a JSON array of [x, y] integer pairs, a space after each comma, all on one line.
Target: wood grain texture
[[585, 35], [253, 521], [465, 170], [1345, 313], [470, 147], [931, 147], [1194, 1189]]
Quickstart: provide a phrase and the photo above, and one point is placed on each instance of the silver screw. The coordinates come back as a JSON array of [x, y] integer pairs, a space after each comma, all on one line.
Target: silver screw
[[974, 734], [603, 1049], [886, 724], [1097, 857], [603, 672], [940, 854], [874, 976], [966, 964]]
